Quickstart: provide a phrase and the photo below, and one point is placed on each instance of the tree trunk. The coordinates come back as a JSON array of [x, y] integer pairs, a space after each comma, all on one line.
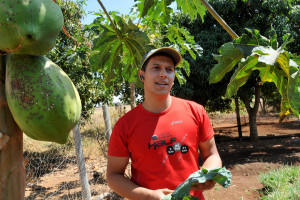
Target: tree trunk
[[132, 95], [86, 192], [238, 118], [253, 125], [107, 123], [12, 165], [252, 112]]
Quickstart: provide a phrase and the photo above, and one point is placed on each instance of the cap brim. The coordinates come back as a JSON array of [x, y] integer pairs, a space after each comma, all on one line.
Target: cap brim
[[172, 52]]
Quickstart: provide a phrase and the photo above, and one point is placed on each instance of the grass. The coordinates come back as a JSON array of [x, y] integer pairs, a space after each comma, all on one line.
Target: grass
[[282, 183]]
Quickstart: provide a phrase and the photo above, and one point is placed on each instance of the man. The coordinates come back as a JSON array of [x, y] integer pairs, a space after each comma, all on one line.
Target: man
[[162, 136]]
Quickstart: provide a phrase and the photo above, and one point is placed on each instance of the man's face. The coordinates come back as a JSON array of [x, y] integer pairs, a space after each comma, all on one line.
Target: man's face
[[159, 75]]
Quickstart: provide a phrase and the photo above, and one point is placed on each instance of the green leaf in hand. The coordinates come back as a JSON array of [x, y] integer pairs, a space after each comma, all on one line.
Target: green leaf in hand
[[220, 175]]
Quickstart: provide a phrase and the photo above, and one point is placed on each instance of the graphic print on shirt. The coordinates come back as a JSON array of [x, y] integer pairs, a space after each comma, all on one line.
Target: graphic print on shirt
[[173, 146]]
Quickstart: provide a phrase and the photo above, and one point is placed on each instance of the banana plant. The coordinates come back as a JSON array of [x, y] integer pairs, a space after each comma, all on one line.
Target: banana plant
[[253, 51]]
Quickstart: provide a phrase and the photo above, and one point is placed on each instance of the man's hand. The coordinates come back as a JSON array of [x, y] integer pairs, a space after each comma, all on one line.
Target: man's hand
[[209, 184], [159, 194]]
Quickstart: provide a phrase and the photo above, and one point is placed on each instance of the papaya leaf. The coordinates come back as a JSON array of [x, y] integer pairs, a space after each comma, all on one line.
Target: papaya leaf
[[160, 10], [274, 66], [192, 8], [178, 73], [241, 75], [273, 38], [181, 37], [284, 62], [229, 57], [267, 54], [267, 73], [246, 49], [287, 38], [127, 43], [294, 89], [252, 37], [144, 6], [281, 81]]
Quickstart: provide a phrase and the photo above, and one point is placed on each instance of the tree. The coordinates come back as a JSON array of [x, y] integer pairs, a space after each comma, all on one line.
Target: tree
[[122, 39], [261, 57], [238, 14], [72, 53], [12, 163], [209, 36]]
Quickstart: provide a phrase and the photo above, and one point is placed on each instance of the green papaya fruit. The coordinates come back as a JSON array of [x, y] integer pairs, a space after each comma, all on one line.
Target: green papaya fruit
[[41, 97], [29, 26]]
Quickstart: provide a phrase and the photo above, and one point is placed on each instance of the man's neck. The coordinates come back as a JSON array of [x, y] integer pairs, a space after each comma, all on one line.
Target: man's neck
[[157, 104]]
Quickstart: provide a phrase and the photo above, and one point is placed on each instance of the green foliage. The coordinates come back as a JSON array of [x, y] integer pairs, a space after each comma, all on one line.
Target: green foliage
[[160, 10], [230, 57], [209, 38], [282, 183], [257, 54], [73, 57], [221, 104], [220, 175], [260, 15], [119, 51], [184, 41]]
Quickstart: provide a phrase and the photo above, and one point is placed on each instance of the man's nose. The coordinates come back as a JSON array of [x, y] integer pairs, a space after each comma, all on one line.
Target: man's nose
[[162, 73]]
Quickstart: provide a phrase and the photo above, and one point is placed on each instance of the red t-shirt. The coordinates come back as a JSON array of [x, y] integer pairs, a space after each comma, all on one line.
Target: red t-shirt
[[163, 147]]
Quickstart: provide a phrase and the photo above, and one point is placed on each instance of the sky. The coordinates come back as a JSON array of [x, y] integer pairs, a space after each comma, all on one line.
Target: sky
[[122, 6]]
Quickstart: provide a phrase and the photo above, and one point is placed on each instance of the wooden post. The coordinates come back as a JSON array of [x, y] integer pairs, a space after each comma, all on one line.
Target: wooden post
[[132, 95], [86, 192], [12, 166], [107, 121]]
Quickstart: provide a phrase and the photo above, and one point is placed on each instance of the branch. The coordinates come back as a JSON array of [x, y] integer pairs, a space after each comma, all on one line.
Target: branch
[[111, 21], [219, 19]]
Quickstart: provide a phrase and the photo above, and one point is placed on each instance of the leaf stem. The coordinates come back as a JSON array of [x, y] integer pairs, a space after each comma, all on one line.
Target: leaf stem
[[219, 19], [108, 16]]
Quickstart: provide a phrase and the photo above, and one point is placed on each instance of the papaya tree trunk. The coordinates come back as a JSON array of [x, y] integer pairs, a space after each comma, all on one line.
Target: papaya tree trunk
[[252, 112], [238, 117], [12, 165], [132, 95], [253, 125]]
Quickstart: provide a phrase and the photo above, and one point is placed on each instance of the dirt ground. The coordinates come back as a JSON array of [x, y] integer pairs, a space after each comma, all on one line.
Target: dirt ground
[[279, 144]]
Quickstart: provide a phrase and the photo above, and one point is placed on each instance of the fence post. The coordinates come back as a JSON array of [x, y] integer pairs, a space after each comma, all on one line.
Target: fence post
[[107, 121], [86, 192]]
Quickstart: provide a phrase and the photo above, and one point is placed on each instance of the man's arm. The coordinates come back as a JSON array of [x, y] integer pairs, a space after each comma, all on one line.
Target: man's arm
[[116, 180], [209, 154], [211, 159]]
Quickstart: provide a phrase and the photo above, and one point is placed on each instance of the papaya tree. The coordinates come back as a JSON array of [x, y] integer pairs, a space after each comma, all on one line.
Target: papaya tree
[[12, 163], [255, 53], [118, 50], [37, 97], [72, 53]]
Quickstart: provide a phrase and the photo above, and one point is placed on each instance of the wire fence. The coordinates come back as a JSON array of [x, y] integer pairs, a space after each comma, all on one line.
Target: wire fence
[[51, 171]]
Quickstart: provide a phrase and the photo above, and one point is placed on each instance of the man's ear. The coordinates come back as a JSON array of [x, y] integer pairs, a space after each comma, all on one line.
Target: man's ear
[[141, 76]]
